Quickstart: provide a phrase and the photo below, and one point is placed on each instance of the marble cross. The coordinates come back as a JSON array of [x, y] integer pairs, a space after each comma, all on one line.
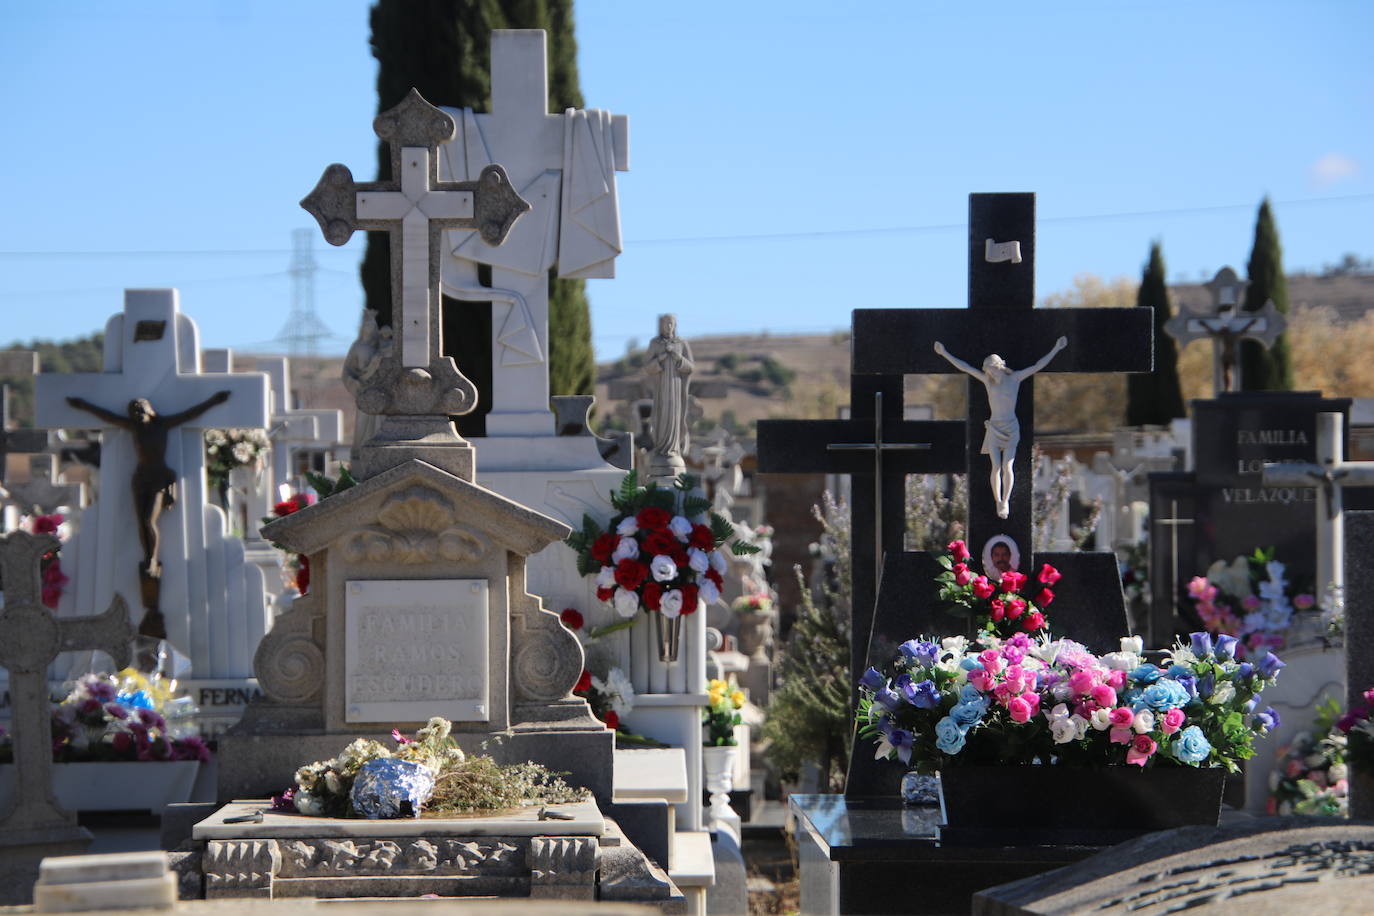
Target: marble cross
[[1225, 325], [30, 639], [1333, 475], [414, 206], [42, 492]]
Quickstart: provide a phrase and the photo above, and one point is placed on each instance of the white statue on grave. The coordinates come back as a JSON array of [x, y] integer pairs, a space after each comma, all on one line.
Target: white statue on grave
[[1003, 430], [668, 364]]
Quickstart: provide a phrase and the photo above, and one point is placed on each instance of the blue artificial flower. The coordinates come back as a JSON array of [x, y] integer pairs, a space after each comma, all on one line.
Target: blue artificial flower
[[901, 682], [139, 699], [1146, 674], [1201, 644], [1266, 721], [949, 736], [1226, 646], [928, 653], [924, 695], [1270, 664], [969, 694], [1161, 696], [888, 699], [1191, 745], [1178, 670], [1206, 685], [903, 741], [1189, 684], [969, 663], [1245, 671], [872, 679], [909, 649], [967, 714]]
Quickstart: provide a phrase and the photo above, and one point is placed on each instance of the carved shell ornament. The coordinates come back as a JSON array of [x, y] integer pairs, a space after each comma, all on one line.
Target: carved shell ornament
[[416, 525]]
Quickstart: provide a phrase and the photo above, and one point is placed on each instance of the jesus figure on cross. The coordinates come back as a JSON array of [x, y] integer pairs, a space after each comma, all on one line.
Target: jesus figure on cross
[[1003, 430]]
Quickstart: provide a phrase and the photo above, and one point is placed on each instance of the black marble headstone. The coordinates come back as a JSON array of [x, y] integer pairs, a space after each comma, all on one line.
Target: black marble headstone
[[1231, 511]]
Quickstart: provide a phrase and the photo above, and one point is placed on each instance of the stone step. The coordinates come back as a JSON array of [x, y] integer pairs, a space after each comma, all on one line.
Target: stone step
[[693, 863], [650, 773], [648, 823]]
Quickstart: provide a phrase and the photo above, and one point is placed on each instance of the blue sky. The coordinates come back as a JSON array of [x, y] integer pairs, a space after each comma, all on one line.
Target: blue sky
[[789, 161]]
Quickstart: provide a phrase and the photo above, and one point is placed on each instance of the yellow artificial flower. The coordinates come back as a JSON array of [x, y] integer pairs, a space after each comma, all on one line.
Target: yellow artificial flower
[[737, 697]]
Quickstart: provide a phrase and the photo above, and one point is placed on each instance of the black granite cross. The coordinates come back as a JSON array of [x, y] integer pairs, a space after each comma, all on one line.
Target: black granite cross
[[1000, 319], [878, 448], [19, 441]]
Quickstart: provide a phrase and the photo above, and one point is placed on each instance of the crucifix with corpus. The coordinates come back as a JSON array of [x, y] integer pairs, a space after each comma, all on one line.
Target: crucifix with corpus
[[1226, 326], [417, 388], [1000, 320]]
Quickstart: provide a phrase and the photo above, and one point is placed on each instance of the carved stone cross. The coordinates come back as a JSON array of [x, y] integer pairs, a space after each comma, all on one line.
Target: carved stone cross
[[30, 638], [1226, 326], [42, 492], [414, 206]]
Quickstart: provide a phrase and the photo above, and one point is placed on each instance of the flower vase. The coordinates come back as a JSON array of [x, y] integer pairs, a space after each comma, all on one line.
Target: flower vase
[[719, 764], [669, 631]]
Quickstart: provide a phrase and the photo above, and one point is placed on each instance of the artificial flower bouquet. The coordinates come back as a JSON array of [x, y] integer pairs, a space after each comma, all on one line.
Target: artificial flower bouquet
[[1311, 776], [1016, 604], [610, 698], [1249, 598], [1021, 700], [721, 713], [761, 603], [296, 570], [122, 717], [429, 771], [663, 549], [1357, 724], [54, 579]]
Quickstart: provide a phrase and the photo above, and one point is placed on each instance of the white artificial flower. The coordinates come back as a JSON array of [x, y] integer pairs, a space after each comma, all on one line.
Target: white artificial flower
[[626, 602], [1132, 644], [1061, 691], [625, 549], [698, 560], [663, 568], [680, 527], [627, 527], [955, 644], [308, 803], [1060, 711], [1233, 579], [1337, 772], [1224, 693], [708, 591], [1080, 726], [1144, 722], [605, 578], [1062, 731], [1314, 760], [670, 605], [621, 691], [1121, 661], [718, 561], [1101, 719]]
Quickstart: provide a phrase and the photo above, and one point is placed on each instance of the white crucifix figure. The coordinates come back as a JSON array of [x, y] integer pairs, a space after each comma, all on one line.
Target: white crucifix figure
[[1332, 474], [213, 608], [564, 165], [1003, 429]]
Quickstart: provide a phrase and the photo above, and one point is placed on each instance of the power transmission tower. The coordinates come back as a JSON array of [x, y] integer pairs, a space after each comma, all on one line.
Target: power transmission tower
[[303, 329]]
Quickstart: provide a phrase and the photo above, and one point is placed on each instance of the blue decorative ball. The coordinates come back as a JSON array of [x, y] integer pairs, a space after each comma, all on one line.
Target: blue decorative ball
[[387, 787]]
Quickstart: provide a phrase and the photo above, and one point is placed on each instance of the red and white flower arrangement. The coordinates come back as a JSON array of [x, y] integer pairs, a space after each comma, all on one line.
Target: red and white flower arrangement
[[662, 552]]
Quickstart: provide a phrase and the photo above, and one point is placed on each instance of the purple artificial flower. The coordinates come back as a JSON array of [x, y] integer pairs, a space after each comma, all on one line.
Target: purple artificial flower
[[924, 695], [1201, 644], [872, 679], [100, 689], [903, 741], [1245, 671], [888, 699], [285, 802], [1270, 664], [1226, 646], [116, 711]]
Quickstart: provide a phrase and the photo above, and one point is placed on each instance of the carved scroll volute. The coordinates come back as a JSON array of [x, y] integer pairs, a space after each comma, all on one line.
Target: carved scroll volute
[[289, 662], [546, 659]]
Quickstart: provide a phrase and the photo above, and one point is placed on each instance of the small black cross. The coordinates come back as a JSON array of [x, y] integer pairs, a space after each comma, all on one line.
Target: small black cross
[[19, 441], [878, 448]]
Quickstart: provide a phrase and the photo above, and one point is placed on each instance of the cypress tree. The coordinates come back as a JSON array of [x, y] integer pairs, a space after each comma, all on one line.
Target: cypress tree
[[443, 49], [1260, 369], [1155, 397]]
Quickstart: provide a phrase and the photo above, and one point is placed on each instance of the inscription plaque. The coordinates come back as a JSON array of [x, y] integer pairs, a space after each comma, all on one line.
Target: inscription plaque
[[415, 648]]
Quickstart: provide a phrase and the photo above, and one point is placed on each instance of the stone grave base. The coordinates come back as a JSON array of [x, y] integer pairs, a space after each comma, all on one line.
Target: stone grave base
[[582, 858], [22, 850], [263, 765]]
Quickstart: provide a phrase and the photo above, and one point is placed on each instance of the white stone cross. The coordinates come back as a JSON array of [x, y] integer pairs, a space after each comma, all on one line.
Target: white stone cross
[[152, 351], [564, 164], [30, 639], [1332, 475], [413, 206]]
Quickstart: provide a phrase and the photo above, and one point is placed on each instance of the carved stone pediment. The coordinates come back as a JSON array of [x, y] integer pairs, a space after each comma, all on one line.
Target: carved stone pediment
[[416, 525]]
